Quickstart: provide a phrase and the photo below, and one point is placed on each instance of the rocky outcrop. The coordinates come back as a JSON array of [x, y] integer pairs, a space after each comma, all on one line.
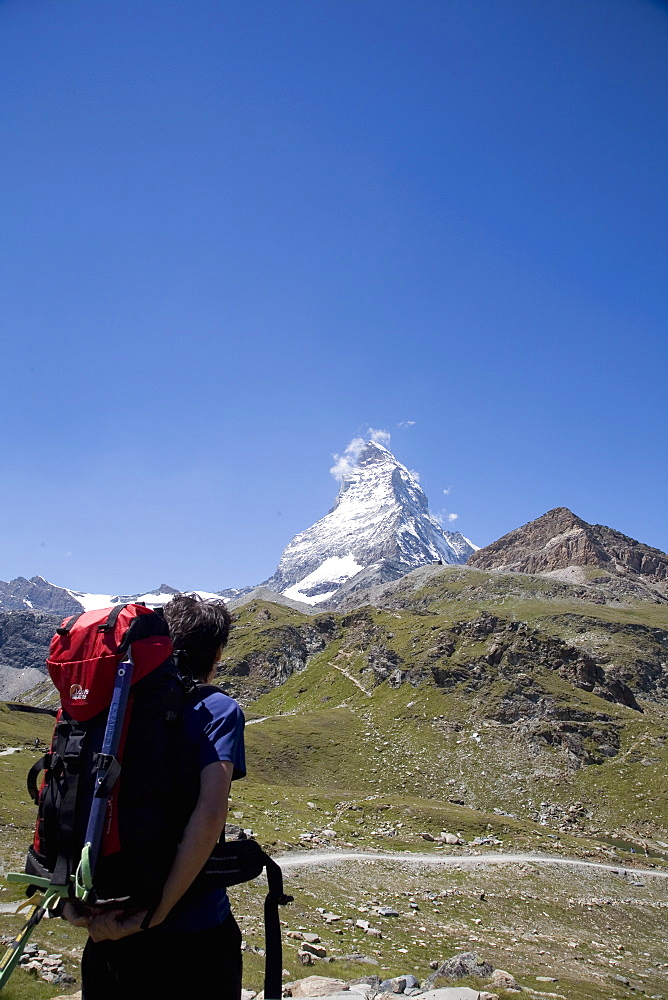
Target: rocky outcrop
[[286, 650], [515, 651], [39, 595], [24, 643], [560, 539]]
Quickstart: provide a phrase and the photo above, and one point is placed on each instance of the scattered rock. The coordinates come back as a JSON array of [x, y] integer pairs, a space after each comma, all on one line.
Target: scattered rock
[[464, 964], [49, 968], [450, 838], [503, 980], [371, 981], [317, 986], [387, 911], [451, 993], [316, 950], [399, 984]]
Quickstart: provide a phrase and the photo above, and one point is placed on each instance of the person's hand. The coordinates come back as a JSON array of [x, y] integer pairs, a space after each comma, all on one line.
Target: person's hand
[[114, 925], [77, 915]]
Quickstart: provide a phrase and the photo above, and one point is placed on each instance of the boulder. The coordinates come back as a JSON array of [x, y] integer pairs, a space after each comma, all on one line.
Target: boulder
[[399, 984], [466, 963], [451, 993], [317, 986], [314, 949], [450, 838], [503, 981]]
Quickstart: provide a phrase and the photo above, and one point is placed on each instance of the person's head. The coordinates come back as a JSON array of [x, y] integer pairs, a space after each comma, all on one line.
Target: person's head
[[200, 629]]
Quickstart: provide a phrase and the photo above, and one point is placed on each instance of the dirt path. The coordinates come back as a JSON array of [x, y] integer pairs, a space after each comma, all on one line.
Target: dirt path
[[342, 670], [309, 859]]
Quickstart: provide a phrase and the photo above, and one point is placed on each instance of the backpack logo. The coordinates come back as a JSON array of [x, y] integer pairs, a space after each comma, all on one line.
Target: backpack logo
[[77, 693]]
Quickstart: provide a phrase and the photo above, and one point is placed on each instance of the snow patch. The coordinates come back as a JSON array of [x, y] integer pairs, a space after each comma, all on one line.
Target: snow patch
[[93, 602], [335, 570]]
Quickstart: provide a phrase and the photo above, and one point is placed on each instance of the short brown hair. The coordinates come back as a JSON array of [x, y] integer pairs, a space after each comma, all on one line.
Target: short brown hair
[[199, 629]]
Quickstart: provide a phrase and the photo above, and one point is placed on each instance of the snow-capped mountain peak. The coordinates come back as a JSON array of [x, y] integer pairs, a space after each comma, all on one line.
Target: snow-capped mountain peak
[[379, 528]]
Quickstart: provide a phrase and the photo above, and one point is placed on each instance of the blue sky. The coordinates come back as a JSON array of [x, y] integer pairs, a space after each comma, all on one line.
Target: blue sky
[[236, 235]]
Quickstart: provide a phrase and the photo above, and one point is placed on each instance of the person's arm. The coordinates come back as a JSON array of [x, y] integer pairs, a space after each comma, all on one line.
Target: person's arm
[[199, 838]]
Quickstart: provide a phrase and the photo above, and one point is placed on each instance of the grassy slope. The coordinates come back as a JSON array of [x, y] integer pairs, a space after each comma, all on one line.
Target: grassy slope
[[338, 750]]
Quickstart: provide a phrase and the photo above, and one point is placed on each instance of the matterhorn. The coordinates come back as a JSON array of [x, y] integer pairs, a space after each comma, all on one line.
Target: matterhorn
[[379, 529]]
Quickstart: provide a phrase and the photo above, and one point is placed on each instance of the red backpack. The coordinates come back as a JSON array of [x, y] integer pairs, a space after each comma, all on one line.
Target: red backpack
[[148, 796]]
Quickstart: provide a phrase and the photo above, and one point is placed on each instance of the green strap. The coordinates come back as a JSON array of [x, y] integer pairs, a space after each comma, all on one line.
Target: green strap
[[83, 880]]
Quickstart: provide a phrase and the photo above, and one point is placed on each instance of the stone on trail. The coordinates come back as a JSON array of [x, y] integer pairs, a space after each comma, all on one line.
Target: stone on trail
[[317, 986]]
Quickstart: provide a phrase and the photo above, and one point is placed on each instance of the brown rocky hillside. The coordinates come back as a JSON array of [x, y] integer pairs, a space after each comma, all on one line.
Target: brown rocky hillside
[[559, 540]]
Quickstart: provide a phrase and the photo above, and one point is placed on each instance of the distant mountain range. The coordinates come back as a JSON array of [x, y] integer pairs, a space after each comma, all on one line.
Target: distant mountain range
[[379, 529]]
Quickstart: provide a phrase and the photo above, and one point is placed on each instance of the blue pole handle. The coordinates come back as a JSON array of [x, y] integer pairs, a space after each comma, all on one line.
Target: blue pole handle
[[110, 745]]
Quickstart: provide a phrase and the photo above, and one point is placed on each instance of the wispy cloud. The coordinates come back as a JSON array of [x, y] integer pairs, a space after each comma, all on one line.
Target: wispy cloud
[[448, 490], [346, 462], [380, 437], [444, 518], [415, 475], [406, 423]]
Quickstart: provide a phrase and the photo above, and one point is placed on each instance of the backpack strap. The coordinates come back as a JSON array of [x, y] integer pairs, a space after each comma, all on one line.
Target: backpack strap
[[112, 618], [273, 963], [236, 861], [67, 628], [43, 764], [67, 762]]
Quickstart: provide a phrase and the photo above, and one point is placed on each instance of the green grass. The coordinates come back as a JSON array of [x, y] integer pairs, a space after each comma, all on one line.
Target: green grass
[[338, 749]]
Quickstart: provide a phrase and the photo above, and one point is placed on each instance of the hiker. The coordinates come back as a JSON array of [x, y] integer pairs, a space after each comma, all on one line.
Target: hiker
[[184, 946]]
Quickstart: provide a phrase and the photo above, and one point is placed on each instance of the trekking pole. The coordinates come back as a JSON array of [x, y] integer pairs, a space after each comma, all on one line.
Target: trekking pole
[[108, 770], [12, 956]]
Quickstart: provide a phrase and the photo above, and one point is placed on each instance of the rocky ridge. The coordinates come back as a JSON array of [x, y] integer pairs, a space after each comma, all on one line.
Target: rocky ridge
[[24, 643], [559, 541]]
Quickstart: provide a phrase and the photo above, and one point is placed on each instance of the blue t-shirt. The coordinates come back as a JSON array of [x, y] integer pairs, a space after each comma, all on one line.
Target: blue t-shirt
[[214, 730]]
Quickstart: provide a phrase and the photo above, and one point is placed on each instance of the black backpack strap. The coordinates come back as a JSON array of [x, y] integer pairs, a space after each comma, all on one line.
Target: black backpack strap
[[273, 963], [108, 763], [67, 628], [43, 764], [112, 618], [67, 767], [236, 861]]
